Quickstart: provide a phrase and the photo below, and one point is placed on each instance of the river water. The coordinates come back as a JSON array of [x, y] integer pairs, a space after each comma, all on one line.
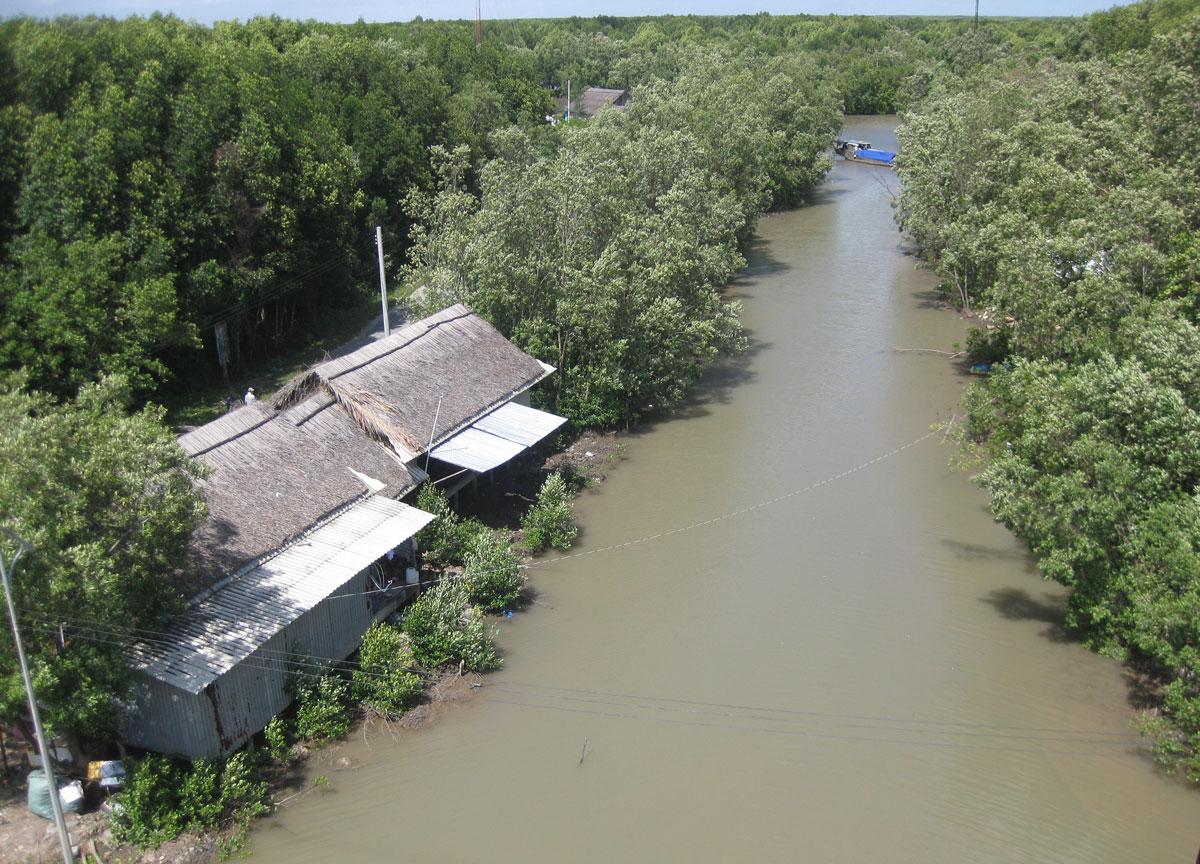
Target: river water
[[855, 664]]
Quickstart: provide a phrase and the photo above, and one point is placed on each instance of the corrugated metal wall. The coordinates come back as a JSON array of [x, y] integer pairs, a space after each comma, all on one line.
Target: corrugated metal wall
[[166, 719], [241, 702]]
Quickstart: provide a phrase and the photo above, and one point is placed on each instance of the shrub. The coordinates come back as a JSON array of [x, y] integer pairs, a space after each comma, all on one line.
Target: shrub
[[385, 678], [446, 539], [445, 629], [493, 572], [279, 751], [162, 799], [149, 813], [549, 522], [323, 704]]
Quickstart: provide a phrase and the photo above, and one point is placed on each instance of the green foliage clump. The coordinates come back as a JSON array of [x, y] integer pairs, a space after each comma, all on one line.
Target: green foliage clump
[[385, 678], [493, 572], [623, 295], [279, 750], [163, 798], [324, 704], [550, 522], [1075, 218], [444, 628], [106, 497], [446, 539]]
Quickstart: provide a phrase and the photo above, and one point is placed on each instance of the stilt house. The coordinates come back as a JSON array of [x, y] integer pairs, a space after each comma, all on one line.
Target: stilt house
[[299, 552]]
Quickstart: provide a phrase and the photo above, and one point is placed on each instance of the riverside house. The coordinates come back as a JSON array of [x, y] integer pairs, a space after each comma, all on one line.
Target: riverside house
[[306, 534], [595, 98]]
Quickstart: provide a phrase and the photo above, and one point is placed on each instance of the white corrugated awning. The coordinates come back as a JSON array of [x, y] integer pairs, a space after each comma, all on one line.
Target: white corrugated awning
[[497, 437], [223, 629]]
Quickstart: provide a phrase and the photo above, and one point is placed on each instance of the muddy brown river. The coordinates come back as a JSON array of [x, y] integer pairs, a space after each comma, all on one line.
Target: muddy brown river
[[842, 658]]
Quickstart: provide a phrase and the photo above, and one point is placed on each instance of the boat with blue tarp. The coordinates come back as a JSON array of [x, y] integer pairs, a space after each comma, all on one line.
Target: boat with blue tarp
[[862, 151]]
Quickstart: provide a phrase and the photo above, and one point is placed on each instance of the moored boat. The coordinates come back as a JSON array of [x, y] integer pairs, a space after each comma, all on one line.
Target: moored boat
[[862, 151]]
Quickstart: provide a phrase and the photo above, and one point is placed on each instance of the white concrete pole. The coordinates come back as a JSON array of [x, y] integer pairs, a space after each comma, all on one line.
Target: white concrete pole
[[387, 327], [55, 803]]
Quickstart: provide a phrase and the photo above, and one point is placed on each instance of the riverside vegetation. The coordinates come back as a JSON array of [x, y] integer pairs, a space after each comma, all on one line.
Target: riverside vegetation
[[1058, 190]]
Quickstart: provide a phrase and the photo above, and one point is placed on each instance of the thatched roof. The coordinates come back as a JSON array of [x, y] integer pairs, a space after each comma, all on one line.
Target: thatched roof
[[341, 431], [392, 387], [595, 98], [271, 478]]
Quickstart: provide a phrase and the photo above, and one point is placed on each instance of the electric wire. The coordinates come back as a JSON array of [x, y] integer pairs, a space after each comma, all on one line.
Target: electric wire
[[272, 292], [808, 733], [281, 288], [602, 703], [609, 704]]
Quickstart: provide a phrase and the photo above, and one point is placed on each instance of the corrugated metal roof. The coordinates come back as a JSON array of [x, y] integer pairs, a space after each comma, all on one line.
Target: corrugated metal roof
[[520, 423], [226, 627], [497, 437], [479, 451]]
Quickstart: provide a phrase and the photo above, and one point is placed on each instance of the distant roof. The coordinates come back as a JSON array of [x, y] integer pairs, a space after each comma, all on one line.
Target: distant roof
[[595, 98], [341, 431]]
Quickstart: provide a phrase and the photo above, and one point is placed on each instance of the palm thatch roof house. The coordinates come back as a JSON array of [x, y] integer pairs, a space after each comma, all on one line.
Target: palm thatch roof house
[[595, 98], [304, 511]]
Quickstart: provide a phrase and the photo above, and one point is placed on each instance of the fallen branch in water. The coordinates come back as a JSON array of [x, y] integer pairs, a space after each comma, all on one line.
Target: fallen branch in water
[[929, 351]]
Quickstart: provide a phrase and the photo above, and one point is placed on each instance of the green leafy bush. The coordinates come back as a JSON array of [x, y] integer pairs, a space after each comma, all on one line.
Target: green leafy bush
[[149, 813], [444, 540], [550, 521], [385, 679], [279, 751], [163, 798], [493, 572], [324, 706], [445, 629]]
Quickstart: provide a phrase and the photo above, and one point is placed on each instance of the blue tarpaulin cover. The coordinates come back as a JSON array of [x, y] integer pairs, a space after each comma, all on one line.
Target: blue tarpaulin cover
[[881, 155]]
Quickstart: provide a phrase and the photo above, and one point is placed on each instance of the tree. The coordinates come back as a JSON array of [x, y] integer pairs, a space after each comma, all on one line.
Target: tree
[[385, 678], [107, 499]]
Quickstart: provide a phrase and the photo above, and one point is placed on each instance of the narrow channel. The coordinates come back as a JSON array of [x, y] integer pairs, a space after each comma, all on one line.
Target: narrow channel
[[867, 669]]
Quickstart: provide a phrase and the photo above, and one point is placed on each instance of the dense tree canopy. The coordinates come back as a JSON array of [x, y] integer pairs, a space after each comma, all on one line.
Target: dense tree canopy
[[600, 250], [106, 499], [1059, 194]]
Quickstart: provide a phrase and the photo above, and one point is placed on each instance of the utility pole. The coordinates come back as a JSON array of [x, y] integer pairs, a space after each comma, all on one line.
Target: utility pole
[[976, 14], [478, 27], [387, 327], [433, 431], [55, 803]]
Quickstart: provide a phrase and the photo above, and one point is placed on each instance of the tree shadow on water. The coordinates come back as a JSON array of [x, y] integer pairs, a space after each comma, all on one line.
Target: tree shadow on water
[[716, 386], [1016, 604]]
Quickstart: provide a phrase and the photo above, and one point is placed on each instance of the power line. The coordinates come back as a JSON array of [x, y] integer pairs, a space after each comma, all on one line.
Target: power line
[[280, 288], [744, 510], [685, 705], [808, 733], [669, 705], [609, 704], [167, 639]]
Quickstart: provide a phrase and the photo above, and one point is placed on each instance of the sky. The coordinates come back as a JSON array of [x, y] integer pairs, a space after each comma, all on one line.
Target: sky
[[348, 11]]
